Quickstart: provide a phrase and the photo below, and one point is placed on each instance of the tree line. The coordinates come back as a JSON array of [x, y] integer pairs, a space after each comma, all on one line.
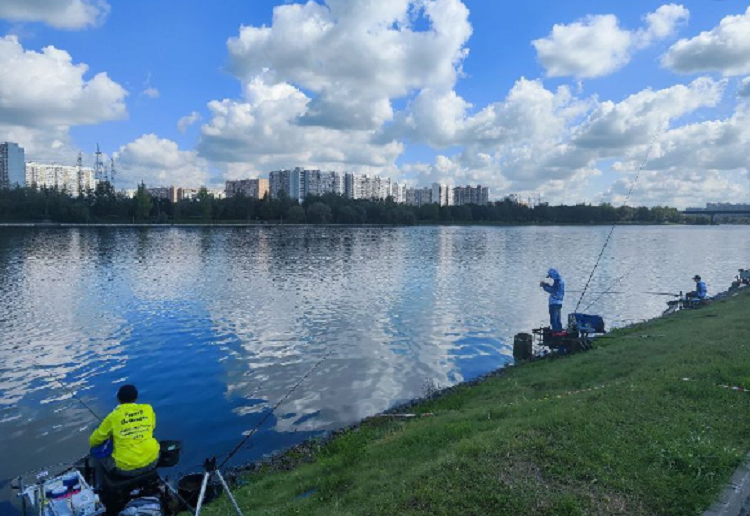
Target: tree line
[[105, 205]]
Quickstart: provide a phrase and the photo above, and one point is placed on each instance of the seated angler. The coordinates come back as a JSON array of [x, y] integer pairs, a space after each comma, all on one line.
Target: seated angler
[[700, 293], [130, 428]]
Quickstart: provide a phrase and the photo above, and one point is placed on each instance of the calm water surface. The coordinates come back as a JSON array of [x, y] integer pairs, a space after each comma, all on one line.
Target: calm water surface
[[214, 325]]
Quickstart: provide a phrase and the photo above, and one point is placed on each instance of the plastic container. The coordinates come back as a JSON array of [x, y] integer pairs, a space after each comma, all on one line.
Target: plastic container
[[56, 490], [71, 481], [61, 508]]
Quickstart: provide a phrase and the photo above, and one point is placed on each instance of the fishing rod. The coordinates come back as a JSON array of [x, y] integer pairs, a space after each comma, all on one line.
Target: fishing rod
[[271, 412], [627, 198], [69, 391], [614, 283], [591, 292]]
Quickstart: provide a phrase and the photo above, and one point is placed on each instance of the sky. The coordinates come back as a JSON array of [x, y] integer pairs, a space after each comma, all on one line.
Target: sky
[[573, 101]]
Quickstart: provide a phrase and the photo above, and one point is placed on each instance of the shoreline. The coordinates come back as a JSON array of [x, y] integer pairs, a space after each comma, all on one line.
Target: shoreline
[[311, 452], [230, 224]]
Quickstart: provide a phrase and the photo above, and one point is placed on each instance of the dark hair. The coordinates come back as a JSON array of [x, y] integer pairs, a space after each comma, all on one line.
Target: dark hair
[[697, 277], [127, 394]]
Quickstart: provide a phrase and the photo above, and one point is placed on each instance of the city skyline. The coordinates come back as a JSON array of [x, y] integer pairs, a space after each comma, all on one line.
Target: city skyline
[[563, 101]]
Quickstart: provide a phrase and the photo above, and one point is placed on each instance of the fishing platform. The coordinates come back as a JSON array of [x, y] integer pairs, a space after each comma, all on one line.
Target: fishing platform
[[542, 342]]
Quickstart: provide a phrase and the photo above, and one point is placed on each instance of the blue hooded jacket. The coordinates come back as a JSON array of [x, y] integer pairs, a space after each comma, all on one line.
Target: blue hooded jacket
[[557, 289], [701, 290]]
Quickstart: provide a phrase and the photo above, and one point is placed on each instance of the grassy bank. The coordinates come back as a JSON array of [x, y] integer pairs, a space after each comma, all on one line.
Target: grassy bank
[[614, 431]]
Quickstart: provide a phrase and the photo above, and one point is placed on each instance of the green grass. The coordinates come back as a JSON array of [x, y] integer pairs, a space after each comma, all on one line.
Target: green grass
[[637, 440]]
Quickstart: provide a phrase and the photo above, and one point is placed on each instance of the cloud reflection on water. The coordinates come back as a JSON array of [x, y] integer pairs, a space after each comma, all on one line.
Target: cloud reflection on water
[[217, 324]]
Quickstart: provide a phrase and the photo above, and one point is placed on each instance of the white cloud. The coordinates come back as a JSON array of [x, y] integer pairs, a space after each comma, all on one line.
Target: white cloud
[[744, 87], [355, 55], [662, 23], [160, 162], [679, 188], [597, 45], [151, 92], [62, 14], [262, 131], [612, 127], [186, 121], [319, 82], [549, 141], [46, 88], [47, 94], [724, 49]]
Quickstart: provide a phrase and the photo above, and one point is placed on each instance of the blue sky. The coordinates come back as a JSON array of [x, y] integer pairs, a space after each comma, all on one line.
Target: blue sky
[[454, 109]]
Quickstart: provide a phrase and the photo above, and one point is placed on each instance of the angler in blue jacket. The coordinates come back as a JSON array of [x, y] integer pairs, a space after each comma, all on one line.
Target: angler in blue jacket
[[556, 293], [700, 292]]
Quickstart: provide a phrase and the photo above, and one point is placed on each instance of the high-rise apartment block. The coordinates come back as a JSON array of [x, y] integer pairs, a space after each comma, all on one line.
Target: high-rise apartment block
[[418, 196], [12, 165], [363, 186], [299, 183], [398, 193], [471, 195], [73, 180], [287, 181], [254, 188], [164, 192]]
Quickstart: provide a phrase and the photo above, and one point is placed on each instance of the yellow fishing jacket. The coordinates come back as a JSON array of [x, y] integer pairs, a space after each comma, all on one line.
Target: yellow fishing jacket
[[131, 427]]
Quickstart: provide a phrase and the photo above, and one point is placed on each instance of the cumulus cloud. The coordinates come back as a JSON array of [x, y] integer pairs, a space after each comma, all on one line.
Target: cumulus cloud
[[62, 14], [359, 54], [159, 162], [528, 111], [550, 141], [188, 120], [261, 130], [597, 45], [679, 188], [318, 84], [47, 88], [612, 127], [47, 94], [724, 49]]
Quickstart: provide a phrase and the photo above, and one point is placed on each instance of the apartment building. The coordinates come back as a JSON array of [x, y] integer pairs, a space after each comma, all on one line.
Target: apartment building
[[255, 188], [12, 165], [73, 180]]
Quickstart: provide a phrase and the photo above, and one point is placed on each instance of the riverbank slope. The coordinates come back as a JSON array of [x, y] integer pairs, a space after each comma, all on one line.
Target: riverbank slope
[[640, 425]]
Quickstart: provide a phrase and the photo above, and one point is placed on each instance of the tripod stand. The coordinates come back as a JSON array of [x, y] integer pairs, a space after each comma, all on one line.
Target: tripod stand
[[212, 470]]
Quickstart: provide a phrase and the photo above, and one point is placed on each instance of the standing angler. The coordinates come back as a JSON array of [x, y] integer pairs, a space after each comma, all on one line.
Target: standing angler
[[556, 293]]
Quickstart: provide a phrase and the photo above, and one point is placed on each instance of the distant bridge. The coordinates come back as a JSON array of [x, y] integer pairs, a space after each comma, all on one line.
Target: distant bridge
[[712, 213]]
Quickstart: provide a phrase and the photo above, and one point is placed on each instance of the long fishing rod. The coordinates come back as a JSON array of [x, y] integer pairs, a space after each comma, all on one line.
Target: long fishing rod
[[70, 391], [627, 198], [270, 413], [591, 292], [614, 283]]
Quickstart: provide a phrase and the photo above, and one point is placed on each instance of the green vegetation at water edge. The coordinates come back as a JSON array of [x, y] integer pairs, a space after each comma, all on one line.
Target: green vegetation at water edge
[[104, 205], [617, 430]]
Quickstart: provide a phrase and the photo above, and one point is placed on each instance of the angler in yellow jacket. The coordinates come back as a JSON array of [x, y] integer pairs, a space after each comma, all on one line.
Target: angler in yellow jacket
[[130, 426]]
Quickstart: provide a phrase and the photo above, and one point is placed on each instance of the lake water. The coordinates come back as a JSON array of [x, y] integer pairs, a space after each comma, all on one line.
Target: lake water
[[215, 325]]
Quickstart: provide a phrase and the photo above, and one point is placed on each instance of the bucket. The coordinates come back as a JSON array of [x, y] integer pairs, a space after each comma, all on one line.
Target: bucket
[[189, 488], [522, 347]]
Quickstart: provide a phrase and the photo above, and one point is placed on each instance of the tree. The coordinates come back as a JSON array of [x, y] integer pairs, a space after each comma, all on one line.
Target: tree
[[347, 215], [206, 201], [143, 203], [319, 213], [296, 215]]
